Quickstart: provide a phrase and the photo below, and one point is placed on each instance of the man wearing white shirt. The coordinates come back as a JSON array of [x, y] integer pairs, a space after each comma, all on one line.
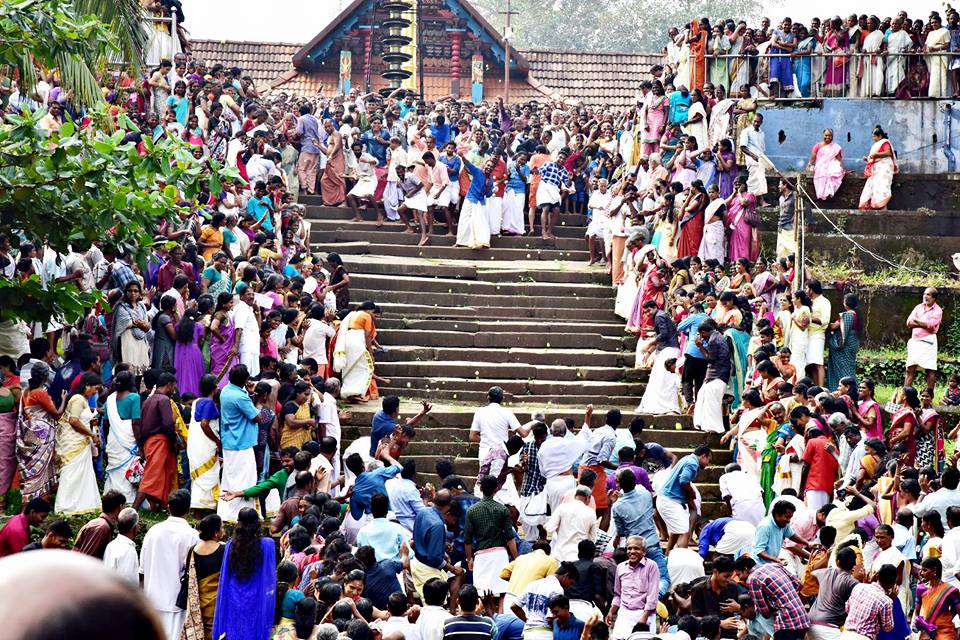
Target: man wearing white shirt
[[433, 614], [951, 547], [557, 455], [319, 331], [246, 318], [397, 606], [121, 554], [328, 417], [742, 492], [571, 523], [162, 560], [492, 424], [941, 499]]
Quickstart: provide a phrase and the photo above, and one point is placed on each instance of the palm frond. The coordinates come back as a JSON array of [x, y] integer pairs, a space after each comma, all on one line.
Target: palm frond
[[76, 76], [125, 21]]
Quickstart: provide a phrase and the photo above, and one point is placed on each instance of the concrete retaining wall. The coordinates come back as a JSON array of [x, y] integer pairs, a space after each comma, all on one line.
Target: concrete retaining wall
[[919, 131]]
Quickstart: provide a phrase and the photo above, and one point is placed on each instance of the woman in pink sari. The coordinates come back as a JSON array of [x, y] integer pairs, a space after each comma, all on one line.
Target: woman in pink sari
[[651, 288], [741, 211], [826, 162], [835, 46], [870, 416], [656, 105]]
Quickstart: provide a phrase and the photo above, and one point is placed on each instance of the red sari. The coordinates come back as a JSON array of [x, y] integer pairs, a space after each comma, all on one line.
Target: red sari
[[691, 232], [900, 420]]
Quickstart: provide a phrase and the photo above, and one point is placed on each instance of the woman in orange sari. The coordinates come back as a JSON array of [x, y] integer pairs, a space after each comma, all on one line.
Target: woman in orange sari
[[903, 425], [937, 603], [697, 39], [353, 355]]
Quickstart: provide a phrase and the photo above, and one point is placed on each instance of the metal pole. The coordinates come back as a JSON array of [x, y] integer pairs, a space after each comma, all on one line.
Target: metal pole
[[420, 49], [506, 58]]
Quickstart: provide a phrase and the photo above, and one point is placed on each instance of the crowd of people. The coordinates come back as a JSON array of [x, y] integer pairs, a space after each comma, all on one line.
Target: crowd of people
[[855, 57], [208, 387]]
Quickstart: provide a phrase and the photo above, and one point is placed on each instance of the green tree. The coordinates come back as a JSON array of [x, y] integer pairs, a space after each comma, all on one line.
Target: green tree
[[78, 186], [77, 38], [613, 25]]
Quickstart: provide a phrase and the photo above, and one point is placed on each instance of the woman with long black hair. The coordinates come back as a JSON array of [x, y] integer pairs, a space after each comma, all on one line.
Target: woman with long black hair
[[188, 354], [248, 581]]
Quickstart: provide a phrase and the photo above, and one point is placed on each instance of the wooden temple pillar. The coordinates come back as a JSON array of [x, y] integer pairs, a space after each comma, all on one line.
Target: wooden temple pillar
[[456, 39]]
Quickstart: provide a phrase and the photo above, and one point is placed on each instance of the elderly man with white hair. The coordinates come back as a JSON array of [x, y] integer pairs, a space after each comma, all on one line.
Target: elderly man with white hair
[[121, 554], [635, 592], [571, 523], [557, 455]]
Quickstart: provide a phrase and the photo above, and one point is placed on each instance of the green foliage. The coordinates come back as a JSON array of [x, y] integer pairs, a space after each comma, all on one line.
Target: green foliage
[[614, 25], [77, 187]]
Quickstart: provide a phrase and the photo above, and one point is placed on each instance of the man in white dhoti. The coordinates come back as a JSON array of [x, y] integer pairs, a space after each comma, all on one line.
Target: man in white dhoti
[[677, 498], [238, 435], [162, 559], [246, 322], [473, 229], [754, 149], [742, 492], [871, 82], [557, 455], [708, 410], [937, 42], [488, 538], [663, 389], [635, 592], [924, 323]]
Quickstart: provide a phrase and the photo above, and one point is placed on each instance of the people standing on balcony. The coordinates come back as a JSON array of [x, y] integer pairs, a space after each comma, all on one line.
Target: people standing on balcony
[[782, 44], [835, 46], [898, 42], [871, 82], [935, 45]]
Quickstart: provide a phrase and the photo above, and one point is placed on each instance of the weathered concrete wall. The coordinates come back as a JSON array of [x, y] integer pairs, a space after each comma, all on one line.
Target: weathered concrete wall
[[884, 310], [918, 130]]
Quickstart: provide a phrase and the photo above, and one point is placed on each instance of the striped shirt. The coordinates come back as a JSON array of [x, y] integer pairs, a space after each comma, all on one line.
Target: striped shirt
[[469, 627]]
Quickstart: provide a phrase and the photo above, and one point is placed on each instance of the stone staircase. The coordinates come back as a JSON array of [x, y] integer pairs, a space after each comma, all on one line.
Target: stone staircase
[[527, 314]]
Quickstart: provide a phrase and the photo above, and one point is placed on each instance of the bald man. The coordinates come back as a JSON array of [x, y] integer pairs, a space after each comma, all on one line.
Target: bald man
[[86, 601]]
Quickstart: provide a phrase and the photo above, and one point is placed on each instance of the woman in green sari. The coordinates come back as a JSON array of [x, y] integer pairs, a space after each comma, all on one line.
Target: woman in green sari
[[844, 341], [776, 438]]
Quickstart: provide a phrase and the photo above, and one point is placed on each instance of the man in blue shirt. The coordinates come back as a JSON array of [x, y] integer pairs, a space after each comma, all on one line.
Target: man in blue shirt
[[695, 363], [633, 516], [384, 421], [773, 530], [676, 502], [473, 228], [430, 543], [727, 536], [238, 435], [565, 624], [376, 141], [440, 131], [385, 536], [259, 207], [368, 484]]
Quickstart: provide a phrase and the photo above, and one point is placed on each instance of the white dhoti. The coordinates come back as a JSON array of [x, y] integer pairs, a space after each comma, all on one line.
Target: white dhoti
[[548, 194], [922, 352], [675, 515], [786, 243], [487, 565], [494, 211], [365, 188], [513, 212], [416, 202], [627, 619], [391, 200], [441, 199], [473, 230], [533, 512], [737, 537], [663, 389], [751, 511], [815, 499], [172, 623], [708, 412], [819, 631], [756, 177], [239, 473], [556, 488], [815, 344]]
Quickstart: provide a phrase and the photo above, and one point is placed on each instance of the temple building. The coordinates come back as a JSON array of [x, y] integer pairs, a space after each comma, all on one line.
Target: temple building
[[435, 48]]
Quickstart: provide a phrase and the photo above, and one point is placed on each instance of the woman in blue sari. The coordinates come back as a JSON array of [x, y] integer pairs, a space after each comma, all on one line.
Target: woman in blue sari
[[803, 60], [844, 341], [248, 581], [736, 320]]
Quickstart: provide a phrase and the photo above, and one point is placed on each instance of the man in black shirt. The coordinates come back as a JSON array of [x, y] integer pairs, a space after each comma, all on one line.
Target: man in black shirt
[[717, 596], [57, 536], [592, 583]]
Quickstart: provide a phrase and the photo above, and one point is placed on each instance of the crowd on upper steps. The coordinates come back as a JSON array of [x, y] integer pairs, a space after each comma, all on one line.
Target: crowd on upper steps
[[208, 387]]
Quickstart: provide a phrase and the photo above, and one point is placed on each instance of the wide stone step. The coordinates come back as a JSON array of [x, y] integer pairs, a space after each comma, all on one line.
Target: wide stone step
[[612, 329], [893, 223], [510, 272], [548, 314], [544, 401], [416, 337], [393, 234], [563, 371], [344, 222], [569, 357], [327, 244], [473, 287], [833, 248], [453, 298], [936, 192], [317, 211], [516, 388]]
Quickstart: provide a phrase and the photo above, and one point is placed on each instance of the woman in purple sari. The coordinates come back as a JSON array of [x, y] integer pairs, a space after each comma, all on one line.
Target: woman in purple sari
[[741, 207], [187, 355], [224, 340], [246, 595], [726, 168]]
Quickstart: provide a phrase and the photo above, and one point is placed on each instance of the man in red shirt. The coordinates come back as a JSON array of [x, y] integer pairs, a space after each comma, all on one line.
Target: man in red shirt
[[820, 465], [16, 533]]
